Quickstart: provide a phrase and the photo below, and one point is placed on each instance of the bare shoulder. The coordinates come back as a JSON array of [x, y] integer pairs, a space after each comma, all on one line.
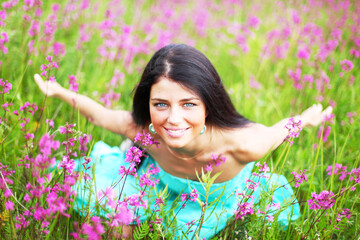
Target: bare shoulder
[[245, 142]]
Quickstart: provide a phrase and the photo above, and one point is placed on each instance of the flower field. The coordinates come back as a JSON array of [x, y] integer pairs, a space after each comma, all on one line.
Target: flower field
[[276, 59]]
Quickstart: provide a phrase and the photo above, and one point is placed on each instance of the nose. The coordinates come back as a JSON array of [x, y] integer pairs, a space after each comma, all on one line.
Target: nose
[[175, 116]]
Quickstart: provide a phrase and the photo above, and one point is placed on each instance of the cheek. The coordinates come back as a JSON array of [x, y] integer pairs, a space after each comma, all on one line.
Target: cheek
[[196, 118], [157, 117]]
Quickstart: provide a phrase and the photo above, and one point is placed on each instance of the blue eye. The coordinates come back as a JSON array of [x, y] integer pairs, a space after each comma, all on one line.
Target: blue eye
[[160, 105], [189, 105]]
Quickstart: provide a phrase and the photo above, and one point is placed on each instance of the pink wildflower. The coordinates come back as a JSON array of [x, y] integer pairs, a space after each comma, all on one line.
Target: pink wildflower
[[133, 155], [145, 139], [244, 209], [124, 216], [73, 83], [50, 122], [344, 213], [346, 65], [193, 195], [7, 193], [299, 178], [294, 128], [9, 205], [323, 200], [326, 133], [208, 167], [254, 84], [253, 22], [263, 167], [303, 53], [146, 180]]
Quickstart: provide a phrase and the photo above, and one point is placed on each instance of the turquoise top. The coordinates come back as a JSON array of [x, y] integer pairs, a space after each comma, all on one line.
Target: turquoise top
[[107, 161]]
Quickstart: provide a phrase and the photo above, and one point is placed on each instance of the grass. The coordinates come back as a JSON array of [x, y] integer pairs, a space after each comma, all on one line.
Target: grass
[[268, 104]]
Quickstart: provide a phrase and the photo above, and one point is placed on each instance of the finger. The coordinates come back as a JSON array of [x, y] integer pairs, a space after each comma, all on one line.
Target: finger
[[38, 78], [319, 107], [328, 111]]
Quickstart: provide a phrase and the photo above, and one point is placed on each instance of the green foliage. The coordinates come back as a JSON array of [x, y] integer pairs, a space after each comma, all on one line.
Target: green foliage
[[142, 231], [267, 104]]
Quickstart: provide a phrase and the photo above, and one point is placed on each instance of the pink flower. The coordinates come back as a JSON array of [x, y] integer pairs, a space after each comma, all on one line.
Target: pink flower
[[9, 205], [254, 84], [326, 133], [208, 167], [270, 218], [346, 65], [294, 128], [59, 49], [244, 209], [50, 122], [124, 216], [49, 58], [218, 159], [146, 179], [193, 195], [303, 53], [263, 167], [299, 178], [323, 200], [27, 197], [145, 139], [253, 22], [94, 230], [7, 193], [73, 84], [55, 65], [133, 155]]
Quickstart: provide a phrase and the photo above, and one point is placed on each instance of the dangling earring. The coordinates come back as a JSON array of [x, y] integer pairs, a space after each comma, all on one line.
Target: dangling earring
[[203, 130], [152, 129]]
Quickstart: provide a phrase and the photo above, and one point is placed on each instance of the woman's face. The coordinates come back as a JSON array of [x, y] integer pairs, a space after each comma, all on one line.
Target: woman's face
[[177, 113]]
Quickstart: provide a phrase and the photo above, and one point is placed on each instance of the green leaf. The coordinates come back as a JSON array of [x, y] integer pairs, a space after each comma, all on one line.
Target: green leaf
[[142, 231]]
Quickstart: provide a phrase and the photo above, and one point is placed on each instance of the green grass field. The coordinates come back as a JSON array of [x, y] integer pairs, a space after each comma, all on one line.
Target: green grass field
[[276, 58]]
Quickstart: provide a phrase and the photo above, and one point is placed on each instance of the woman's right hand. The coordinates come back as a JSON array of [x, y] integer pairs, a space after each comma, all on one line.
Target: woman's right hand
[[51, 89]]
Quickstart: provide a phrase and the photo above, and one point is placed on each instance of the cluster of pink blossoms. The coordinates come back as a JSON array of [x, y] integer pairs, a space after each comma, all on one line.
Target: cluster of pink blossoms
[[145, 139], [263, 168], [216, 160], [146, 179], [299, 178], [324, 200], [4, 39], [192, 196], [93, 230], [46, 69], [74, 86], [341, 170], [243, 210], [57, 197], [294, 128]]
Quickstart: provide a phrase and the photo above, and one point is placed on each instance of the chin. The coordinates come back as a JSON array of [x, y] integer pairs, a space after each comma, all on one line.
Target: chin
[[174, 144]]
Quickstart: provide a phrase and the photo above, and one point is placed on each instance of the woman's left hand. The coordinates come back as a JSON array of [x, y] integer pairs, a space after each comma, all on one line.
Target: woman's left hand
[[315, 115]]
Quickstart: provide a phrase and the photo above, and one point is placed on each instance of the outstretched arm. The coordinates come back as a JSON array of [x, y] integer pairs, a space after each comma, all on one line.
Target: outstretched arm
[[117, 121], [261, 139]]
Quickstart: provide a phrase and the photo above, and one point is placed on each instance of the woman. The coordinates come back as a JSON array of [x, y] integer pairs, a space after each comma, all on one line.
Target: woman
[[182, 102]]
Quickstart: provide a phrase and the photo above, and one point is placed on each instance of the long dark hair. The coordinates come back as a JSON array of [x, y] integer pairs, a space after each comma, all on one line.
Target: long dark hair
[[192, 69]]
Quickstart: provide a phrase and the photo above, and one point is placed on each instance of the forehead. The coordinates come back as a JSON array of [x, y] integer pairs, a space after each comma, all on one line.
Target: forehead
[[168, 88]]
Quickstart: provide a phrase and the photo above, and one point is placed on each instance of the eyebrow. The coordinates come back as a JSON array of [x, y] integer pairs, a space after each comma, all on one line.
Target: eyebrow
[[182, 100]]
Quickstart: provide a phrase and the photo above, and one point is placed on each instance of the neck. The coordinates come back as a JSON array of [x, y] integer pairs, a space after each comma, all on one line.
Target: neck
[[193, 150]]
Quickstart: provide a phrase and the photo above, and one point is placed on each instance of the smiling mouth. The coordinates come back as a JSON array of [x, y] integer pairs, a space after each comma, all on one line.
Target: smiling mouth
[[176, 132]]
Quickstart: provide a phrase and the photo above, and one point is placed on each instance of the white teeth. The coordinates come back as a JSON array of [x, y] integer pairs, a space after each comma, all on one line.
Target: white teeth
[[176, 131]]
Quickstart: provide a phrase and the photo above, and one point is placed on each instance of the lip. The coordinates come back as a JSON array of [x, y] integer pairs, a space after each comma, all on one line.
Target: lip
[[176, 132]]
